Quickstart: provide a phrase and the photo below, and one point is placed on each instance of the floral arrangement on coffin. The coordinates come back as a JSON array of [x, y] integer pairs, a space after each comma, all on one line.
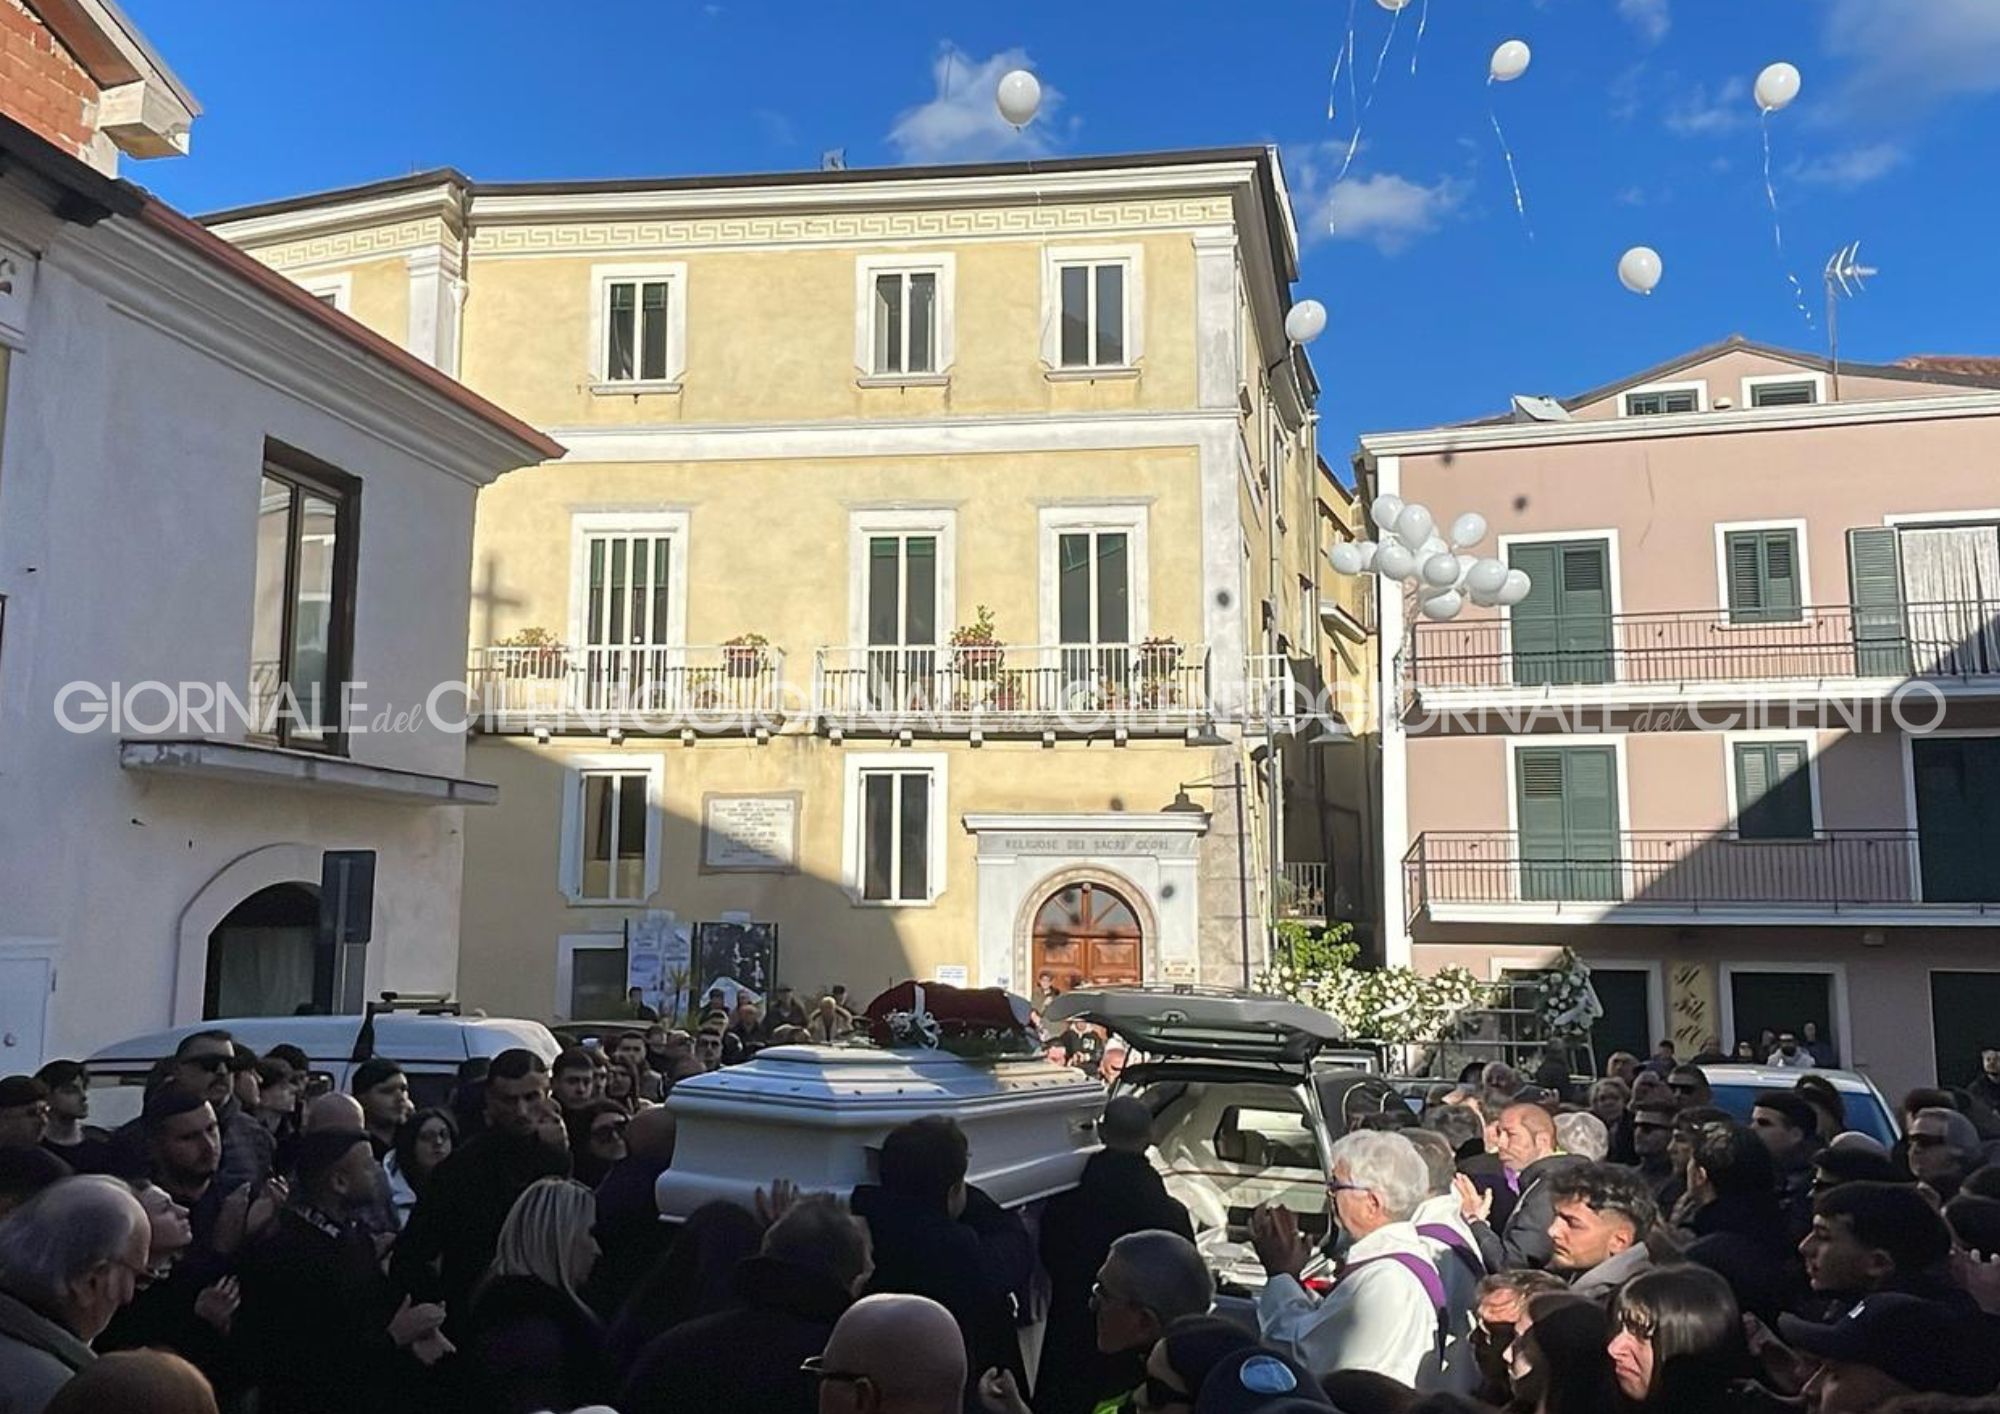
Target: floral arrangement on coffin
[[744, 657], [977, 651], [1394, 1004], [974, 1023], [1569, 1005]]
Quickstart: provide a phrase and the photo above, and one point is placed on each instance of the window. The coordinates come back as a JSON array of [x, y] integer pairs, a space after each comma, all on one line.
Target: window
[[1788, 394], [903, 317], [640, 327], [1664, 400], [1089, 317], [628, 607], [1308, 610], [591, 976], [1561, 633], [611, 830], [895, 833], [1774, 793], [1094, 586], [1763, 575], [302, 624], [1566, 813], [334, 290]]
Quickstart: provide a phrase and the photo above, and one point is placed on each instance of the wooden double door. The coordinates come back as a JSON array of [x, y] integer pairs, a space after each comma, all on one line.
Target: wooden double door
[[1088, 935]]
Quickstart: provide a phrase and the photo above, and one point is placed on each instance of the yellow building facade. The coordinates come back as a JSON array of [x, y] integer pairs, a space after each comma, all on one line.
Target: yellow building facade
[[922, 587]]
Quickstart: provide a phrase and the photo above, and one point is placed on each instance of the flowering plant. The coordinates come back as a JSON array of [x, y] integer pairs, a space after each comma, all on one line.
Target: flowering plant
[[1569, 1003], [1395, 1004]]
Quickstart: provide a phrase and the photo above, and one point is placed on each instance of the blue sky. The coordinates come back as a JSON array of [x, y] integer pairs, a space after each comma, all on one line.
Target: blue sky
[[1634, 125]]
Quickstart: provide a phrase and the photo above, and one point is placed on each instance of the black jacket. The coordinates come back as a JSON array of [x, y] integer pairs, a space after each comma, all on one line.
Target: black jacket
[[785, 1313], [923, 1251], [313, 1329], [1742, 1239], [1524, 1241], [526, 1347], [457, 1221], [629, 1230], [1119, 1193]]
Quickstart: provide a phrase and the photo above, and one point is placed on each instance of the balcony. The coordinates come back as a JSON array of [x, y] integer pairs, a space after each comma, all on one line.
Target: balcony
[[708, 688], [1301, 893], [1160, 688], [1672, 876], [1700, 653]]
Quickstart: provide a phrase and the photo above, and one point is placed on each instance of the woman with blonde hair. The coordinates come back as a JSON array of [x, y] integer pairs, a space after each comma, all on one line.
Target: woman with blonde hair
[[529, 1338]]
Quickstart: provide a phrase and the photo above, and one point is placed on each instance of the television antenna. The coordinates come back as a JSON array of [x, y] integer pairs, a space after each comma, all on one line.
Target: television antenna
[[1845, 278]]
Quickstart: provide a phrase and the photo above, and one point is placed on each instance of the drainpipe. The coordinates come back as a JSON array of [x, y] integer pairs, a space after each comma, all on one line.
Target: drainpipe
[[1243, 863]]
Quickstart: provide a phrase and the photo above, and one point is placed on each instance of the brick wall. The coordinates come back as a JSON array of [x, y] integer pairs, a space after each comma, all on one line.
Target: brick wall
[[41, 86]]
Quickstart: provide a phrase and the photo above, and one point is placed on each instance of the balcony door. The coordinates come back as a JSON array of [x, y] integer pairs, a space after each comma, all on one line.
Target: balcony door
[[1958, 816], [629, 650], [1566, 812], [1562, 630], [1951, 579], [902, 615], [1094, 611]]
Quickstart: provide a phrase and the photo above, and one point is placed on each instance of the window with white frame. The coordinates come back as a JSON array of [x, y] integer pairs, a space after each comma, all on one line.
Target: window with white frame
[[895, 828], [1091, 303], [640, 324], [1787, 392], [1652, 402], [903, 316], [611, 830]]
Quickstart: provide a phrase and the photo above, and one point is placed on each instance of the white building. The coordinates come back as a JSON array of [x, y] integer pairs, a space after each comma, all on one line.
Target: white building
[[209, 477]]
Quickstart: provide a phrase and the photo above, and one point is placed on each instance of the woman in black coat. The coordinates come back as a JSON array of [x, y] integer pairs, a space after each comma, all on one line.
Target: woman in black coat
[[529, 1343]]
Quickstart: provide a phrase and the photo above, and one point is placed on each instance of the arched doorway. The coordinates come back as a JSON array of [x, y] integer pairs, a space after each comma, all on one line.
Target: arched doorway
[[262, 960], [1086, 934]]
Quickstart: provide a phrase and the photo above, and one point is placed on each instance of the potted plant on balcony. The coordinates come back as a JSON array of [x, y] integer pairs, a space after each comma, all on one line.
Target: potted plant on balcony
[[704, 689], [1159, 656], [542, 654], [977, 651], [744, 656]]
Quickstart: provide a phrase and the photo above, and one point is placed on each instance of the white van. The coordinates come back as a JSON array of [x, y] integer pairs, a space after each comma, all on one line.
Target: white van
[[429, 1047]]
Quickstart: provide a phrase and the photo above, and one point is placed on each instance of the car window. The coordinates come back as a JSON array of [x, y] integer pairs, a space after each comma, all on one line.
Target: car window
[[1269, 1137], [1864, 1111]]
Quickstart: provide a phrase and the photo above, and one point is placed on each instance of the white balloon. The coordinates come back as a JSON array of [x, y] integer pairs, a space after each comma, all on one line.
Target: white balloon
[[1019, 97], [1367, 550], [1510, 61], [1514, 588], [1468, 529], [1777, 86], [1466, 564], [1346, 558], [1305, 321], [1484, 601], [1385, 510], [1392, 5], [1413, 526], [1394, 561], [1486, 578], [1442, 606], [1639, 269], [1441, 571]]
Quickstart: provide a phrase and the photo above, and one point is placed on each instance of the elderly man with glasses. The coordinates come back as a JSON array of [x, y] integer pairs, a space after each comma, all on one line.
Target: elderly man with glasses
[[1385, 1309], [70, 1257]]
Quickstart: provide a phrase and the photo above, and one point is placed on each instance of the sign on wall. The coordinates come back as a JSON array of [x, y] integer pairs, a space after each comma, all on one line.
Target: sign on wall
[[750, 834], [656, 962], [734, 959]]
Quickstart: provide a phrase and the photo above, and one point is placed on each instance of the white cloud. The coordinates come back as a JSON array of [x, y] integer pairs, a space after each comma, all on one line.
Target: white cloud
[[1386, 209], [1649, 17], [1699, 113], [960, 122], [1854, 168], [1631, 196], [1908, 54]]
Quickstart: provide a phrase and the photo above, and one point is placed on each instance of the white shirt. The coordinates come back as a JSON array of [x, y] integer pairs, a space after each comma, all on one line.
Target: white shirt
[[1379, 1318], [1461, 1289], [1802, 1061]]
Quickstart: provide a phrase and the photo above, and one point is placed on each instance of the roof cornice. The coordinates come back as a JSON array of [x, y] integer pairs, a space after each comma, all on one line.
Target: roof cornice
[[1669, 425]]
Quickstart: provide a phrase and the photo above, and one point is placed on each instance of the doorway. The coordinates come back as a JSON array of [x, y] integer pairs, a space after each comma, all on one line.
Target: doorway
[[1088, 935], [1963, 1005], [262, 958], [1628, 1022], [1779, 1001]]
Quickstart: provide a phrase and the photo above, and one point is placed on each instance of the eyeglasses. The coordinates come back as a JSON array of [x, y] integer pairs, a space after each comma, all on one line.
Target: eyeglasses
[[211, 1064], [814, 1368], [1335, 1185]]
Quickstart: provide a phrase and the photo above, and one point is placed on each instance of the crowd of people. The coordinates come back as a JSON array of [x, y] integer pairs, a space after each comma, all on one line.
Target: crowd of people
[[1543, 1248]]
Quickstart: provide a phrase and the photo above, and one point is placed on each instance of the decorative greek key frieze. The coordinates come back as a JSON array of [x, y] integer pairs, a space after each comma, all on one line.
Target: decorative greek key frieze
[[368, 243]]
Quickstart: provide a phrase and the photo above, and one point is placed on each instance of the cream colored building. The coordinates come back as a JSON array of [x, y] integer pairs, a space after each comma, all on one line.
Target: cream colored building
[[816, 423]]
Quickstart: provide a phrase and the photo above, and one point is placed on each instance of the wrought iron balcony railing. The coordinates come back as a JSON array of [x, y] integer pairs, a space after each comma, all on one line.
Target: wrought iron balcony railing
[[1700, 646], [555, 685], [1833, 871]]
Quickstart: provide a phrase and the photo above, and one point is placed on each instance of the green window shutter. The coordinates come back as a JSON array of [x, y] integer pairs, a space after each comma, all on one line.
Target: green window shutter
[[1763, 573], [1773, 791], [1875, 590], [1534, 621], [1543, 822], [1590, 790], [1566, 811], [1585, 630]]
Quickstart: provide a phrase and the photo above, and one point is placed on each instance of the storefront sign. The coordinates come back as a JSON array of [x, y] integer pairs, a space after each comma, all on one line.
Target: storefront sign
[[750, 834]]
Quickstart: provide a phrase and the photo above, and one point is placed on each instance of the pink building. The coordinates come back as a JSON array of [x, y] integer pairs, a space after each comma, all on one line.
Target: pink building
[[1740, 748]]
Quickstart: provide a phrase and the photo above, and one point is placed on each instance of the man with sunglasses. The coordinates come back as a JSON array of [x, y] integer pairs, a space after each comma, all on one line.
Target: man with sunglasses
[[202, 1064], [1690, 1085], [1944, 1147], [895, 1355], [1652, 1141]]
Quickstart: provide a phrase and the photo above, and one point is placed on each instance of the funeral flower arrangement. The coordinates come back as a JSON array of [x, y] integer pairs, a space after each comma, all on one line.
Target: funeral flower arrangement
[[973, 1023], [1396, 1004], [1569, 1005]]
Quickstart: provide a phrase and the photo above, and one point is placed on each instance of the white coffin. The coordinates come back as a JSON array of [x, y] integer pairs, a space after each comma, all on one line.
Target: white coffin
[[817, 1115]]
